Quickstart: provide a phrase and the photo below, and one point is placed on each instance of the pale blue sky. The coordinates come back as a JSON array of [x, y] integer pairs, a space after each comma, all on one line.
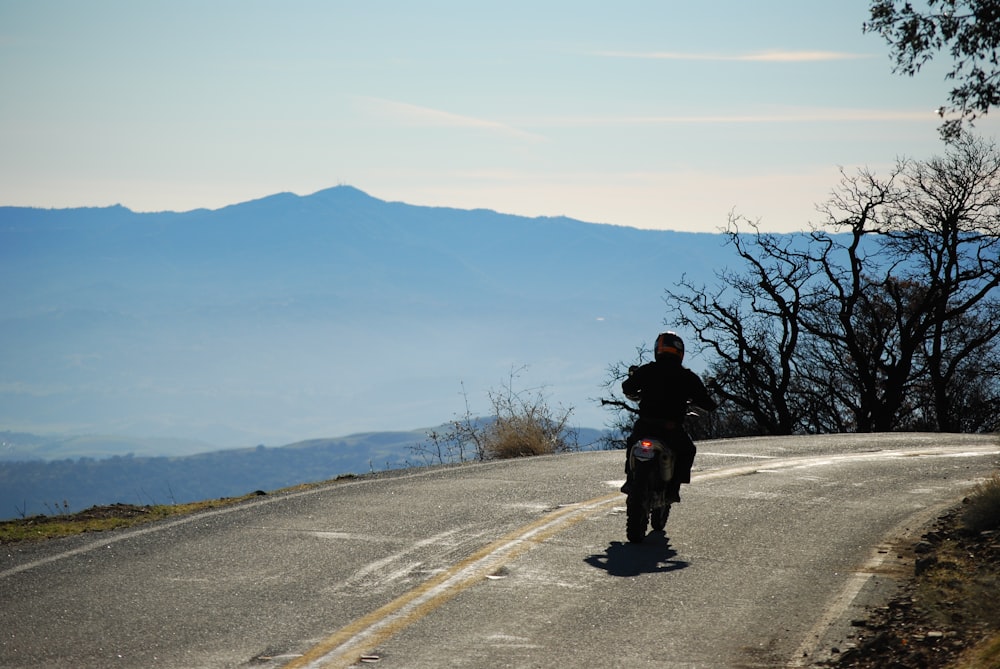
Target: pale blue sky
[[654, 114]]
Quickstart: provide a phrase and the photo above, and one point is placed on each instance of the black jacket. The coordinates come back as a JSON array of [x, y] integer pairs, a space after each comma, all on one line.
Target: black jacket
[[664, 389]]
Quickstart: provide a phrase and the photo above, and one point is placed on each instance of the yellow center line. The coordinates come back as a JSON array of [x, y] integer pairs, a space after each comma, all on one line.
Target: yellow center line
[[344, 647]]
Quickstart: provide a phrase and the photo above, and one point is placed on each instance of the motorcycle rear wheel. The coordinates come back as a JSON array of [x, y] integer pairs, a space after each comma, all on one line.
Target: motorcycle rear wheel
[[658, 517]]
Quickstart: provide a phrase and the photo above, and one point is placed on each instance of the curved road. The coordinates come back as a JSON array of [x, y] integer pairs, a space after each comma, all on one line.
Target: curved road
[[777, 545]]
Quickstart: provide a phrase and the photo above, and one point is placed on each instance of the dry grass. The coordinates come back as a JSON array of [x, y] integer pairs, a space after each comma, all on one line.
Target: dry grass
[[101, 519], [521, 436], [523, 424], [945, 616], [961, 586], [958, 590], [983, 510], [978, 585], [117, 516], [986, 655]]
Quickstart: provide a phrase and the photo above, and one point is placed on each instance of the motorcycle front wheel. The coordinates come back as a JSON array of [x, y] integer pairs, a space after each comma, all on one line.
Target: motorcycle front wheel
[[636, 519]]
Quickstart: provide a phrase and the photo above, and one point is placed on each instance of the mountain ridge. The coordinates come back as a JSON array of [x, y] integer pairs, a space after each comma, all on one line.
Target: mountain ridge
[[330, 313], [49, 475]]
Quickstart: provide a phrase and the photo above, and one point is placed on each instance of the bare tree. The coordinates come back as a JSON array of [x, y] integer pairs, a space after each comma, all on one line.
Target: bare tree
[[947, 230], [623, 411], [871, 352], [961, 392], [891, 300], [751, 325]]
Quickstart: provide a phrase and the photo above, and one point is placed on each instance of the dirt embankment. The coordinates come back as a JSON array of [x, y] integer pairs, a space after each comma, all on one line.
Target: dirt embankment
[[946, 616]]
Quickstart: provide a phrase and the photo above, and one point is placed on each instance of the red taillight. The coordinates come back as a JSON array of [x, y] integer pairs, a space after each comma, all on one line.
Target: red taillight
[[646, 444]]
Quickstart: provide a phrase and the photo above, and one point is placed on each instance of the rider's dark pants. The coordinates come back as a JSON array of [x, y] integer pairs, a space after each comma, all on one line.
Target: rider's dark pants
[[676, 438]]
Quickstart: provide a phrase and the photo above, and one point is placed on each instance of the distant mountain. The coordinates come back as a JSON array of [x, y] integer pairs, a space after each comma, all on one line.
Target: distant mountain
[[21, 446], [59, 486], [290, 317], [73, 484]]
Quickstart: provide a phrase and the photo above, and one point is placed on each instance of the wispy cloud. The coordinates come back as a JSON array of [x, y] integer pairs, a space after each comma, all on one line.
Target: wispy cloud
[[819, 115], [416, 115], [776, 56]]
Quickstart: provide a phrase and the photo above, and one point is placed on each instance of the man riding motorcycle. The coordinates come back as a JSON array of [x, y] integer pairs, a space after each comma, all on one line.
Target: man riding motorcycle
[[664, 388]]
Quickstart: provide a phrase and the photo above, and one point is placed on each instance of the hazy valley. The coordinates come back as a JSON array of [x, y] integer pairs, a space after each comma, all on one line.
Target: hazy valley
[[291, 318]]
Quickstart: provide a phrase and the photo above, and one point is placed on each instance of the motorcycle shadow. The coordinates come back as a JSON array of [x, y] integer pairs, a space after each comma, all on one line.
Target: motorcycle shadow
[[653, 556]]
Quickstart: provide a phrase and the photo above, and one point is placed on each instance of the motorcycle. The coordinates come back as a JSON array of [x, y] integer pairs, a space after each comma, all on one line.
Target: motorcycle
[[651, 462], [652, 465]]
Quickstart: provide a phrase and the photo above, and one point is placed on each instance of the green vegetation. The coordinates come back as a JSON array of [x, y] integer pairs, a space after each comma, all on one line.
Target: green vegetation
[[965, 30]]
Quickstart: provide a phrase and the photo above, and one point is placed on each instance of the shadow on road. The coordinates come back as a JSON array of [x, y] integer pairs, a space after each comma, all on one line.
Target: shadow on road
[[652, 556]]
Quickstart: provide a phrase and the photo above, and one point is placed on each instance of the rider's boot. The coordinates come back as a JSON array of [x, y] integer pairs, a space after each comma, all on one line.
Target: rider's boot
[[627, 486], [673, 492]]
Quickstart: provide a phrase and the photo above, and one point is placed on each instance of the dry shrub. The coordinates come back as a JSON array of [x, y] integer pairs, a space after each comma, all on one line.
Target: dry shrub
[[522, 424], [982, 513], [517, 436]]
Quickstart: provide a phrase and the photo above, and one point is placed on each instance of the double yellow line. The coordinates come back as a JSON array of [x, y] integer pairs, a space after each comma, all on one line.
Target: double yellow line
[[345, 646]]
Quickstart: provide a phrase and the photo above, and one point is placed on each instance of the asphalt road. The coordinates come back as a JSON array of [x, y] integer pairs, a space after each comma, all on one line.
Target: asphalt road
[[777, 545]]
